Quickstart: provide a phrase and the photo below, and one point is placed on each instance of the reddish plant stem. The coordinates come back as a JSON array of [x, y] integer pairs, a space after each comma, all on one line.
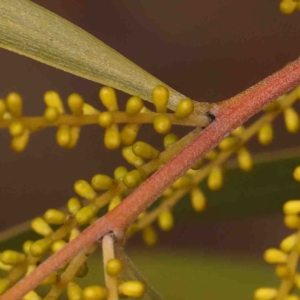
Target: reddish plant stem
[[228, 114]]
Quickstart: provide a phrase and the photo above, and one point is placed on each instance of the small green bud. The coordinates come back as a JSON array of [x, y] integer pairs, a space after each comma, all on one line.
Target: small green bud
[[86, 214], [102, 182], [120, 172], [131, 158], [40, 247], [55, 217], [74, 205], [85, 190], [40, 226], [134, 289], [10, 257], [133, 178]]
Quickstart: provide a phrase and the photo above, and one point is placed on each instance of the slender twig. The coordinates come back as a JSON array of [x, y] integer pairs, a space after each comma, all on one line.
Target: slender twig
[[227, 116]]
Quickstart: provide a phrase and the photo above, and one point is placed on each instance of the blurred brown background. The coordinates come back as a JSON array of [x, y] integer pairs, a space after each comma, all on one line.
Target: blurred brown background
[[208, 50]]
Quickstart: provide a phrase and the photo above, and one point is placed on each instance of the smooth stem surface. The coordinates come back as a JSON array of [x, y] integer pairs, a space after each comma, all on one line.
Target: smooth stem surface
[[229, 115]]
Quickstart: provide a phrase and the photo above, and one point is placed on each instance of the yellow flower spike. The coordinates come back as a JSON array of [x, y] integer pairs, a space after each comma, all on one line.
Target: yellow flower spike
[[58, 245], [292, 221], [16, 128], [86, 214], [51, 114], [184, 108], [291, 120], [215, 179], [10, 257], [160, 97], [265, 134], [228, 143], [74, 136], [75, 232], [275, 256], [55, 216], [105, 119], [265, 294], [52, 99], [40, 226], [89, 109], [211, 155], [134, 105], [4, 285], [165, 220], [288, 7], [182, 182], [14, 104], [19, 143], [108, 98], [120, 172], [116, 200], [5, 267], [170, 139], [113, 267], [129, 134], [74, 205], [51, 279], [74, 291], [75, 102], [26, 246], [2, 108], [296, 173], [83, 270], [238, 131], [282, 271], [292, 207], [95, 293], [32, 295], [198, 199], [102, 182], [85, 190], [162, 124], [131, 158], [40, 247], [289, 243], [63, 136], [244, 159], [134, 289], [112, 139], [133, 178], [149, 236], [145, 150]]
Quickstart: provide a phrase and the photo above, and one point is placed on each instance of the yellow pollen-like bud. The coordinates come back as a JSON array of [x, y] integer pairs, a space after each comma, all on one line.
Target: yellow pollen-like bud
[[198, 199], [160, 97], [14, 104], [89, 110], [292, 221], [227, 143], [144, 150], [85, 190], [288, 7], [265, 294], [51, 279], [282, 271], [244, 159], [114, 202], [170, 139], [2, 108], [129, 133], [289, 243], [168, 192], [134, 105], [182, 182], [40, 226], [32, 295], [120, 172], [265, 134], [149, 236], [63, 136], [113, 267], [162, 124], [133, 178], [134, 289], [291, 119], [275, 256], [238, 131], [211, 155], [94, 293], [74, 205], [19, 143], [75, 232], [5, 267], [105, 119], [74, 136], [86, 214], [292, 207], [40, 247], [131, 158], [165, 220], [55, 217], [16, 128], [26, 246], [296, 173], [10, 257], [75, 102], [215, 179], [102, 182], [52, 99], [108, 98], [51, 114], [112, 139], [58, 245], [184, 108], [74, 291]]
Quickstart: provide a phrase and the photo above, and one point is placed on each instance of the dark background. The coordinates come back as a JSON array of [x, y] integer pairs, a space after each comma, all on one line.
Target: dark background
[[208, 50]]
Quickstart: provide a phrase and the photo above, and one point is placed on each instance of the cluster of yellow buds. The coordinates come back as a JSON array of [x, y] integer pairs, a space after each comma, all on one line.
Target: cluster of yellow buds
[[287, 7]]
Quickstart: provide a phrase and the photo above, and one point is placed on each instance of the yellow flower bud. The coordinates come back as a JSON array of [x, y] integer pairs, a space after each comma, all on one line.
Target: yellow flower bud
[[292, 207], [5, 267], [160, 97], [162, 124], [74, 205], [19, 143], [2, 108], [134, 105], [292, 221], [32, 295], [215, 179], [75, 102], [211, 155], [52, 99], [170, 139], [74, 137], [114, 202], [289, 243], [182, 182], [86, 214], [51, 114], [265, 294], [105, 119], [83, 270], [85, 190], [75, 232], [265, 134], [227, 143], [165, 220], [287, 7], [149, 236], [184, 108], [133, 178], [10, 257], [95, 293], [244, 159], [198, 199], [292, 297], [26, 246], [144, 150], [129, 133], [275, 256], [55, 217], [16, 128], [89, 109], [4, 285], [14, 104], [40, 226], [131, 158], [238, 131], [58, 245], [63, 136], [102, 182], [40, 247], [108, 98], [134, 289], [120, 172], [74, 291], [112, 139], [296, 173], [51, 279], [113, 267], [282, 271], [291, 119]]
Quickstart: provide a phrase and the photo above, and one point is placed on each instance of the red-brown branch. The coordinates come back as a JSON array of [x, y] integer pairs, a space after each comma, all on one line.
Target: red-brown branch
[[228, 114]]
